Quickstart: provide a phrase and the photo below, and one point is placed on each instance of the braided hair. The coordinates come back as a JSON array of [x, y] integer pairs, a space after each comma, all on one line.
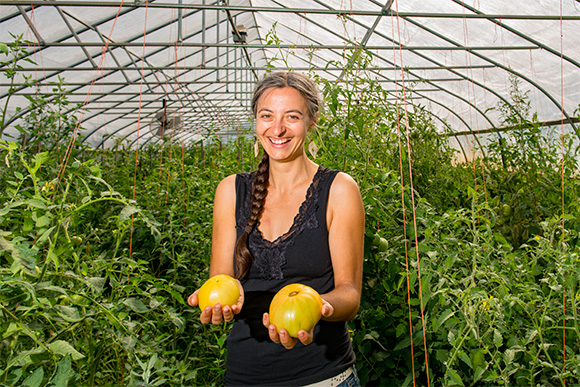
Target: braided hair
[[259, 189]]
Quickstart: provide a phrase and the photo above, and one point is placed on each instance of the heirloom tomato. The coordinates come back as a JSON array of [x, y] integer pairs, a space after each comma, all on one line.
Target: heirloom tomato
[[220, 289], [295, 307]]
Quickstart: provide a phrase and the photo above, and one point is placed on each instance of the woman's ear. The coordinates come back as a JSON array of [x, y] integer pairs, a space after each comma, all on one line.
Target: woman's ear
[[313, 123]]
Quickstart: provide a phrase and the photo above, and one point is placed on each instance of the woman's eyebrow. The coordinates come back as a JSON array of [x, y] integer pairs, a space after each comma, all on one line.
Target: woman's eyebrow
[[294, 111], [285, 112]]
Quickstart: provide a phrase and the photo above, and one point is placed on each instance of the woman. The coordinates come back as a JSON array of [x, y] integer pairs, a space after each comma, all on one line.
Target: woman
[[291, 221]]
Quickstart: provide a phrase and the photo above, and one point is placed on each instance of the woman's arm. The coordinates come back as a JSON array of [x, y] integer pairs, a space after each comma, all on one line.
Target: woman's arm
[[346, 223], [224, 228], [222, 250]]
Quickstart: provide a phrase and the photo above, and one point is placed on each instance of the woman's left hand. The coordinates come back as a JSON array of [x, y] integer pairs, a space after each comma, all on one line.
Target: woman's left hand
[[282, 337]]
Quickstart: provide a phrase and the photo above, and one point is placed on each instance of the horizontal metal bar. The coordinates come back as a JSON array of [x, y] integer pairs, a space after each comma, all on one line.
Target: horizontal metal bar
[[221, 81], [566, 121], [283, 46], [212, 68], [323, 11], [177, 93], [137, 82], [136, 94]]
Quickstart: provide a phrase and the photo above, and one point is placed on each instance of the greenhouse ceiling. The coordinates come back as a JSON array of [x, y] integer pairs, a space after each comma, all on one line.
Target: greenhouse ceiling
[[192, 64]]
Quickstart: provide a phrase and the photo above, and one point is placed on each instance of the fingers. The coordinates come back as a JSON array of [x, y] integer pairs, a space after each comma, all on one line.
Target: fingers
[[206, 315], [305, 337], [327, 309], [192, 299], [216, 315], [228, 313], [282, 336]]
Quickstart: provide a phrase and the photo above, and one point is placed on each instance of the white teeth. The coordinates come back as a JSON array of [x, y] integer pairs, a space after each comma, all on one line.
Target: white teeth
[[280, 141]]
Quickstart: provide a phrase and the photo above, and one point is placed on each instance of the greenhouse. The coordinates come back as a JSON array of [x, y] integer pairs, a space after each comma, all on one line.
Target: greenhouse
[[458, 120]]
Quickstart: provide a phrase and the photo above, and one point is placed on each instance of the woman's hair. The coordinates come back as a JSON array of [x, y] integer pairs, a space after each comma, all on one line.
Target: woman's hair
[[259, 189]]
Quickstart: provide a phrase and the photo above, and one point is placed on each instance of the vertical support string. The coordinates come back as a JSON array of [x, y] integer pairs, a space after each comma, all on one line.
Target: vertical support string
[[86, 102], [563, 184], [139, 122], [407, 133], [412, 346]]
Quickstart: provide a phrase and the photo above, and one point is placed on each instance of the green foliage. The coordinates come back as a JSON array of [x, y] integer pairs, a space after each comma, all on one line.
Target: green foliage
[[91, 276], [15, 52], [470, 268]]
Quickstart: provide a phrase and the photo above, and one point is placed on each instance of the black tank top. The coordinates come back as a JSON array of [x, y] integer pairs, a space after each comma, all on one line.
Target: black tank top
[[302, 255]]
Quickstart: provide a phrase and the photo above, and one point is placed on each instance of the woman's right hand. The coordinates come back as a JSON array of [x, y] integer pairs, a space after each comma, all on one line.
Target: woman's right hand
[[218, 313]]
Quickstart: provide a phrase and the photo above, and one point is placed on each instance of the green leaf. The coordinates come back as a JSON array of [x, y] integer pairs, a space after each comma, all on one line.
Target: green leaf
[[36, 203], [444, 317], [479, 371], [508, 356], [35, 379], [23, 256], [177, 296], [127, 211], [68, 313], [530, 335], [62, 347], [136, 305], [4, 48], [44, 237], [477, 358], [497, 338], [453, 378], [97, 284], [451, 337], [43, 221], [465, 358], [39, 159], [63, 373]]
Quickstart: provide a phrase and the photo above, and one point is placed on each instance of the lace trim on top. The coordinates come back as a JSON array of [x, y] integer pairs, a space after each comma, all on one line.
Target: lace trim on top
[[270, 257]]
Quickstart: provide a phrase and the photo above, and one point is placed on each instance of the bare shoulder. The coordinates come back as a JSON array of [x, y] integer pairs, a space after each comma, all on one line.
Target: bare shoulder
[[344, 201], [225, 195], [344, 187], [227, 187]]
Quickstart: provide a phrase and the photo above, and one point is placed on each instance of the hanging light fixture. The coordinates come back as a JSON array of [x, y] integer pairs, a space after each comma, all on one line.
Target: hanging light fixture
[[240, 33]]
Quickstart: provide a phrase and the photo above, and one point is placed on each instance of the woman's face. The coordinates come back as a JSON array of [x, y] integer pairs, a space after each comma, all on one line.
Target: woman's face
[[282, 122]]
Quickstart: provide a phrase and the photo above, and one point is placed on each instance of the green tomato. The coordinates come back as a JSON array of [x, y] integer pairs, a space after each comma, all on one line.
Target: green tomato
[[506, 210], [76, 240], [383, 245], [80, 300]]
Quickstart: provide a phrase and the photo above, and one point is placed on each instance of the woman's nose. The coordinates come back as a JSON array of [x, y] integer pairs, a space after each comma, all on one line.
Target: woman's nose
[[278, 129]]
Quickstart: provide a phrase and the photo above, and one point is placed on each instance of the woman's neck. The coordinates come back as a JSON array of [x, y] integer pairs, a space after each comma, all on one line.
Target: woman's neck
[[286, 176]]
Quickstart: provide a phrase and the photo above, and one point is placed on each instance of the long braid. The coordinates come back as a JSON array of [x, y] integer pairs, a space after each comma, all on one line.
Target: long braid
[[243, 256]]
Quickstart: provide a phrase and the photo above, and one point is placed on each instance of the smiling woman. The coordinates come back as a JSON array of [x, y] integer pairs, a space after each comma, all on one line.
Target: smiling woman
[[290, 221], [282, 123]]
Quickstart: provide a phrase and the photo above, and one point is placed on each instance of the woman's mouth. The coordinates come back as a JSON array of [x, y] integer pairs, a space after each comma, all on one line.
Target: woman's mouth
[[279, 141]]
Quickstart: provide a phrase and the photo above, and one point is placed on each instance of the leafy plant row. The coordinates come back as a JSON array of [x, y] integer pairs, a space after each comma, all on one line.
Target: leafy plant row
[[470, 276]]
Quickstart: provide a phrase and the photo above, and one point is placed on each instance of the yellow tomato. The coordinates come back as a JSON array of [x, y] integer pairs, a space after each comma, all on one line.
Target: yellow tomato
[[295, 307], [220, 289]]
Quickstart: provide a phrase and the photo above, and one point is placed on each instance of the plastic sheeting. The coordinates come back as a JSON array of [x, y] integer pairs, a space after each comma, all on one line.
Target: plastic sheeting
[[131, 63]]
